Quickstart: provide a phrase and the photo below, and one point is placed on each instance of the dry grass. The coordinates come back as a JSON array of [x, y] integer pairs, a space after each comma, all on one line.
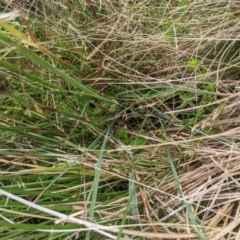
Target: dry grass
[[173, 69]]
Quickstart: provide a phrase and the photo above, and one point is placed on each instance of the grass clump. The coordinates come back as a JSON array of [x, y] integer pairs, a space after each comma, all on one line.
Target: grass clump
[[119, 120]]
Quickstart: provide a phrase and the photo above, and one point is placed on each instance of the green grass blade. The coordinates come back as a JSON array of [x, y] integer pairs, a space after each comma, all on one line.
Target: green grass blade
[[188, 209], [94, 188], [34, 79], [45, 64]]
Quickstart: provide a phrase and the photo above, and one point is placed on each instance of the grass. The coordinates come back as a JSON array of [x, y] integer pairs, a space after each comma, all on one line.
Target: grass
[[119, 120]]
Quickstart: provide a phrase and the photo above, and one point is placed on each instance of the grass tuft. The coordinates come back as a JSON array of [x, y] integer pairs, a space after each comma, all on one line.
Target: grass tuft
[[119, 119]]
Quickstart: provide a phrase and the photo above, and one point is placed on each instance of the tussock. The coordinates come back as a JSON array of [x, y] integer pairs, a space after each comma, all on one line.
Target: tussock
[[119, 119]]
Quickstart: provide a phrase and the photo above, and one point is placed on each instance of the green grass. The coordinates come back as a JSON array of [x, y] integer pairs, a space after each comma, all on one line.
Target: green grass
[[119, 120]]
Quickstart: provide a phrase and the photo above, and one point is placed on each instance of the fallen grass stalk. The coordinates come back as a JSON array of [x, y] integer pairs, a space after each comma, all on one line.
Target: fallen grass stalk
[[62, 217]]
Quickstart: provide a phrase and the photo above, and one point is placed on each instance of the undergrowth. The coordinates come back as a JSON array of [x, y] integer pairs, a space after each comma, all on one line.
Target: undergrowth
[[119, 119]]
